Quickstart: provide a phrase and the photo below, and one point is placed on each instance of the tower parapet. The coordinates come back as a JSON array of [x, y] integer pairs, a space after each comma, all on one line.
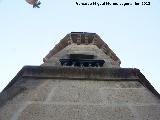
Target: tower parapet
[[82, 43]]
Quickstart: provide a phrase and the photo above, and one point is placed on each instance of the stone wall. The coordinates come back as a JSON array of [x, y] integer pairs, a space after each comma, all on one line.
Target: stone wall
[[47, 93], [81, 49], [55, 99]]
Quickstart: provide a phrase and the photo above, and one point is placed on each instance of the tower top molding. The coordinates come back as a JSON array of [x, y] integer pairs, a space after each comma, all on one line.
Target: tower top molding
[[84, 38]]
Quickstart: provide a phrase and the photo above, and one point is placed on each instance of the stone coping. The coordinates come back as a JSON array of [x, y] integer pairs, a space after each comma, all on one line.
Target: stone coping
[[81, 73], [75, 73]]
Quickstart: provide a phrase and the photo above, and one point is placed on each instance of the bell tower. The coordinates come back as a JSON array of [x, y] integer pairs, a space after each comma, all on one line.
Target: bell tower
[[82, 49], [80, 79]]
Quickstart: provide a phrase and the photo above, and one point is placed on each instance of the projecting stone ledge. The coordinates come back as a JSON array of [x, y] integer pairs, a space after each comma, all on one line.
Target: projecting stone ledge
[[72, 73]]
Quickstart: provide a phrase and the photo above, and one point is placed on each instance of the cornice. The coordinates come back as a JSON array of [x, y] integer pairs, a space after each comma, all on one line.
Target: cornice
[[82, 38]]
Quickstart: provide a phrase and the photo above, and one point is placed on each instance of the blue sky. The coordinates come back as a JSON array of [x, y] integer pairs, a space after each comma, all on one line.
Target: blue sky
[[27, 34]]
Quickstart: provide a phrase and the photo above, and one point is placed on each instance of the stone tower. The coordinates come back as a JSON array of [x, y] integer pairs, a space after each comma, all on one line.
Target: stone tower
[[80, 79]]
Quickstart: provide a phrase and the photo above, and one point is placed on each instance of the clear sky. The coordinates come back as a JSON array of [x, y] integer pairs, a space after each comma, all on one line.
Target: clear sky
[[27, 34]]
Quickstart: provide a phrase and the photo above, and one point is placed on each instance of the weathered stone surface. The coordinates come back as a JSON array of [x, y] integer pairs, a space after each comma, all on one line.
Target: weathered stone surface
[[90, 84], [75, 112], [53, 112], [109, 113], [132, 96], [148, 112], [29, 83], [35, 92], [8, 110], [62, 99], [72, 94]]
